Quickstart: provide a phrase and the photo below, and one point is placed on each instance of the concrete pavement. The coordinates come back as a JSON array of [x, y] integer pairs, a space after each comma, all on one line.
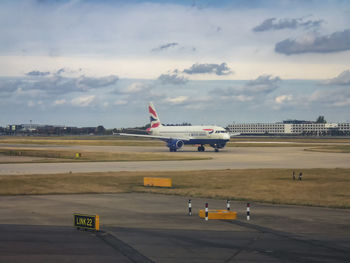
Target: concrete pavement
[[157, 228], [229, 158]]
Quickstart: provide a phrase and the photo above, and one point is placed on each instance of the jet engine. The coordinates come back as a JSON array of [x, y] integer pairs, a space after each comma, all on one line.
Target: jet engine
[[174, 145]]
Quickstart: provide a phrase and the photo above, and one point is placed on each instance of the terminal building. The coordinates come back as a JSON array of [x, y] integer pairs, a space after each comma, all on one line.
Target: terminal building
[[291, 128]]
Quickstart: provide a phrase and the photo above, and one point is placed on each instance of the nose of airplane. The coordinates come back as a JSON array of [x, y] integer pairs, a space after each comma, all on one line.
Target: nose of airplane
[[226, 136]]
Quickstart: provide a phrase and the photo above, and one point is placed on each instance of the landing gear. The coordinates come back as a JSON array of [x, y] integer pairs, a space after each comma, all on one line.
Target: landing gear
[[172, 149], [201, 148], [217, 146]]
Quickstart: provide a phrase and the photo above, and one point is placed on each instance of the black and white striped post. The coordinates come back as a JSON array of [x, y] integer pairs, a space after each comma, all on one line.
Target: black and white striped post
[[248, 211], [189, 207], [228, 205], [206, 211]]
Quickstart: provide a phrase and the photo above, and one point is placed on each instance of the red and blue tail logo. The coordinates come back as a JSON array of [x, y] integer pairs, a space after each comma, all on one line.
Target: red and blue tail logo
[[155, 122]]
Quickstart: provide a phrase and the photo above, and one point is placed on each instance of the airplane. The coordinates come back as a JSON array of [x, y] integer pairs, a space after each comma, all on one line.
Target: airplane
[[178, 136]]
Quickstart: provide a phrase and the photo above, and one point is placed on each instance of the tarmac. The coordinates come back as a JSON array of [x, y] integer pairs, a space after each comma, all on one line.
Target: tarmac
[[228, 158], [157, 228]]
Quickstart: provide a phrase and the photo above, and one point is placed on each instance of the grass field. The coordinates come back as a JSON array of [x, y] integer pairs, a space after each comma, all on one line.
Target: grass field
[[320, 187], [332, 149], [83, 140], [47, 155]]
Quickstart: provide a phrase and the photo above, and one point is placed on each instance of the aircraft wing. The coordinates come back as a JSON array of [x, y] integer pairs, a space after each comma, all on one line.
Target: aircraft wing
[[235, 134], [163, 138]]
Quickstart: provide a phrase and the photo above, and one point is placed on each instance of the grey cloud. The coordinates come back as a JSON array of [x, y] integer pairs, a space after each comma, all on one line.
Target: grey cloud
[[263, 84], [331, 98], [97, 82], [253, 89], [8, 85], [172, 78], [264, 80], [136, 90], [338, 41], [38, 73], [342, 79], [55, 85], [60, 71], [166, 46], [288, 23], [218, 69]]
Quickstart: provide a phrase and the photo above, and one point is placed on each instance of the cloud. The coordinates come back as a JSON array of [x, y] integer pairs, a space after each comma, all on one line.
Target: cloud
[[172, 78], [242, 98], [331, 98], [135, 87], [88, 82], [32, 103], [9, 85], [176, 100], [121, 102], [287, 23], [262, 84], [218, 69], [55, 84], [59, 102], [342, 79], [83, 101], [164, 47], [338, 41], [283, 99], [38, 73], [252, 90], [264, 80]]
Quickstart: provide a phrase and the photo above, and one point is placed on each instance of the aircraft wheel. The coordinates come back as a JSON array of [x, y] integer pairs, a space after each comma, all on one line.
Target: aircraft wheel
[[199, 148], [216, 150]]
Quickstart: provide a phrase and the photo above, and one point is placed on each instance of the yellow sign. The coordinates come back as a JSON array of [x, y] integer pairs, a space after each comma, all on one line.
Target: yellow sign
[[156, 181], [87, 221]]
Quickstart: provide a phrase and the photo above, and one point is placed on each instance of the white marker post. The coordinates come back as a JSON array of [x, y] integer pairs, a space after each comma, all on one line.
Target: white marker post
[[206, 211], [189, 207], [228, 205], [248, 211]]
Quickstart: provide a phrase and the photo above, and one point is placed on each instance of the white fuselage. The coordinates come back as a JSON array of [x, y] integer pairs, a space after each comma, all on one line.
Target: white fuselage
[[192, 132]]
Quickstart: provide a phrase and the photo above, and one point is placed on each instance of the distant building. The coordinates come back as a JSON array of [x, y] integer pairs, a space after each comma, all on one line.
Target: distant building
[[48, 130], [290, 128]]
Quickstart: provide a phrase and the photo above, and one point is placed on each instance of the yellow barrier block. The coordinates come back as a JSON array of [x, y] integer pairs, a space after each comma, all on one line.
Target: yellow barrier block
[[154, 181], [218, 214]]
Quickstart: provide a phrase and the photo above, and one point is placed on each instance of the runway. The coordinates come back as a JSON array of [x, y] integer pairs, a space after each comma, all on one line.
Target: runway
[[157, 228], [228, 158]]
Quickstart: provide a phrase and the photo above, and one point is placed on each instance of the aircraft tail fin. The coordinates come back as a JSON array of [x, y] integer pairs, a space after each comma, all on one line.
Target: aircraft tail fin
[[155, 122]]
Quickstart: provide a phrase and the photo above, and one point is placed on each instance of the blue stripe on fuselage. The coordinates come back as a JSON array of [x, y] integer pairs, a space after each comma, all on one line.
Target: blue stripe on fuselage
[[206, 141]]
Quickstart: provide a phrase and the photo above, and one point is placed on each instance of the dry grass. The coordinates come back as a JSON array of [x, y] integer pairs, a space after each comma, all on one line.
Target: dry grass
[[331, 149], [88, 156], [320, 187], [293, 139], [270, 144], [90, 141]]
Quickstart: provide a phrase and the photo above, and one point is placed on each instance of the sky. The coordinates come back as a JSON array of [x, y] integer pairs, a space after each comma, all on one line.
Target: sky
[[88, 63]]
